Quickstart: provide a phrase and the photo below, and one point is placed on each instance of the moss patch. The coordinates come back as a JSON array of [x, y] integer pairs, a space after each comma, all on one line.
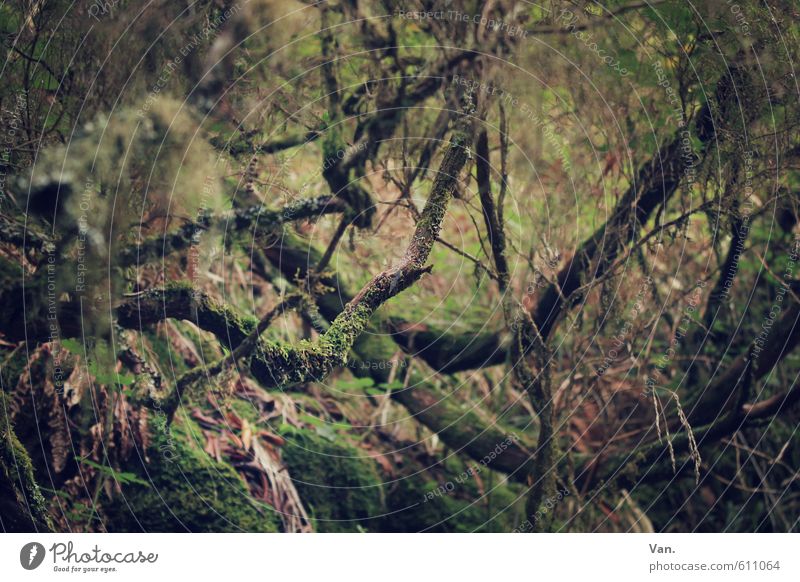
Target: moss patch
[[188, 490], [22, 505], [339, 486], [417, 503]]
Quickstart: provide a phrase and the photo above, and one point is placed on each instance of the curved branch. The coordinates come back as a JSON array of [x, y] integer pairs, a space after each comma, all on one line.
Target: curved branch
[[291, 364]]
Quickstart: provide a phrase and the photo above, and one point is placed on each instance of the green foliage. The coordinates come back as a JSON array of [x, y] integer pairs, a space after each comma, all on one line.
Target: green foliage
[[100, 362], [131, 157]]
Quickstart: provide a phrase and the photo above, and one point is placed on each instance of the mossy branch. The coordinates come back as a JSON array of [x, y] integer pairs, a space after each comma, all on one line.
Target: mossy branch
[[279, 364], [254, 219], [22, 506], [246, 348]]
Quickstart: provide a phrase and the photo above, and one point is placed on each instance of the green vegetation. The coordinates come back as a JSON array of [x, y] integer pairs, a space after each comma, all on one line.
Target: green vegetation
[[279, 266], [181, 488]]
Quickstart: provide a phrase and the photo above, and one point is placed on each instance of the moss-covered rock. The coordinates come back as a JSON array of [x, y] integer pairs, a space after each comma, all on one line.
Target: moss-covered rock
[[187, 490], [338, 484], [22, 507], [418, 503]]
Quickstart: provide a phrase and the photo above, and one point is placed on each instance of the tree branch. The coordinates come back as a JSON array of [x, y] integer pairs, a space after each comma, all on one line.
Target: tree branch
[[254, 218]]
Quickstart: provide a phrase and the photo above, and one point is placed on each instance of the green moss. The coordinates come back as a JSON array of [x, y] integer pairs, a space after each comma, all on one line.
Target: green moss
[[165, 352], [187, 491], [344, 331], [180, 285], [417, 503], [339, 486], [333, 143], [21, 503], [245, 409], [226, 318]]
